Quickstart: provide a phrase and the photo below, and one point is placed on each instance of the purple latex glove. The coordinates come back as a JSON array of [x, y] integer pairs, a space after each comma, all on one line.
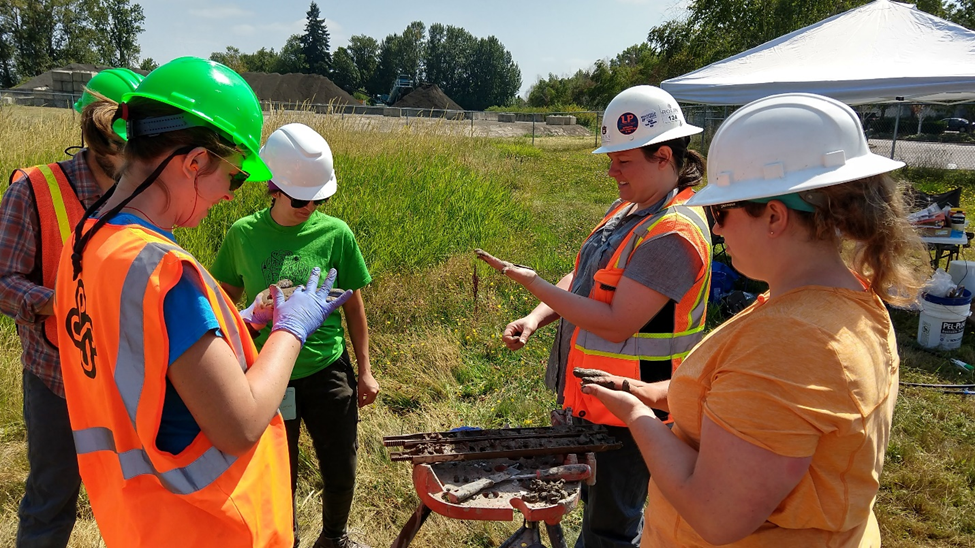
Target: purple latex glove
[[308, 307], [257, 315]]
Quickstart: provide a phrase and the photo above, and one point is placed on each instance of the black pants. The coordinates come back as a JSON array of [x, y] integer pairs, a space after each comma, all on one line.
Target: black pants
[[613, 513], [47, 511], [326, 402]]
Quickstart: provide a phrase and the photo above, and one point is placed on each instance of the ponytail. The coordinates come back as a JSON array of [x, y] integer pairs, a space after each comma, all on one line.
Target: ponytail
[[888, 251], [82, 237], [871, 212], [100, 115], [689, 164]]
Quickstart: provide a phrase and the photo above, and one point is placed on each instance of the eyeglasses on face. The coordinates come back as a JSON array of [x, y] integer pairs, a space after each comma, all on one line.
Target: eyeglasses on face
[[718, 211], [238, 178], [298, 203]]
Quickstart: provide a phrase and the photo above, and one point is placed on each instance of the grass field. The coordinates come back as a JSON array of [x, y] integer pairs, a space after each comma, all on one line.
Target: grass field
[[418, 204]]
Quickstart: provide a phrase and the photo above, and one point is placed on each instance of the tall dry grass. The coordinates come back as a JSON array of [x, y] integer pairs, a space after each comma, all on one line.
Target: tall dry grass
[[419, 198]]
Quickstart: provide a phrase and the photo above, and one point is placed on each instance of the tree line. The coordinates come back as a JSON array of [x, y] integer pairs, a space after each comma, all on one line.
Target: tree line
[[475, 72], [709, 31], [39, 35]]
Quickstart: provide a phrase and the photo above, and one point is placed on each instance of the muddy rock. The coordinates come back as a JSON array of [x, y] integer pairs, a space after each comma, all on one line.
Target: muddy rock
[[288, 288]]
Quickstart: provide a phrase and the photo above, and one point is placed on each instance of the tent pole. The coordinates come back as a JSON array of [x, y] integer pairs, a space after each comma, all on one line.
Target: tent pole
[[702, 136], [895, 132]]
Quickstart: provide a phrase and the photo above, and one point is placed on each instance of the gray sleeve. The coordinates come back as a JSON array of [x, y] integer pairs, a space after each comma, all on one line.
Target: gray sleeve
[[667, 265]]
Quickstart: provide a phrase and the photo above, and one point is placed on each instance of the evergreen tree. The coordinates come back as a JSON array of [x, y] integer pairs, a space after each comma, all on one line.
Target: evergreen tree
[[315, 43]]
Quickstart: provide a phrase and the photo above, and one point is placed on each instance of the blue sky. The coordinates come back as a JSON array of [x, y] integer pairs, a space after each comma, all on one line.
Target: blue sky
[[544, 36]]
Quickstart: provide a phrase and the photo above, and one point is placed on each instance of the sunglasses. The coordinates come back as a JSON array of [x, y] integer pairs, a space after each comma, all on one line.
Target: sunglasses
[[718, 211], [238, 178], [298, 203]]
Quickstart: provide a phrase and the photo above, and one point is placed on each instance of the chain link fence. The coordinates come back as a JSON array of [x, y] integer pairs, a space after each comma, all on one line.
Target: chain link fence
[[933, 136], [921, 135]]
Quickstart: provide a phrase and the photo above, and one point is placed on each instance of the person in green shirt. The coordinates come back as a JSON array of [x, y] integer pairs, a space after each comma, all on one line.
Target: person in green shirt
[[285, 242]]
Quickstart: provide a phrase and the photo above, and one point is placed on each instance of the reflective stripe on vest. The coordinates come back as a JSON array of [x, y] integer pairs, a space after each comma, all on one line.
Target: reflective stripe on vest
[[182, 481], [130, 376], [656, 346], [57, 197], [589, 350], [140, 495], [53, 194]]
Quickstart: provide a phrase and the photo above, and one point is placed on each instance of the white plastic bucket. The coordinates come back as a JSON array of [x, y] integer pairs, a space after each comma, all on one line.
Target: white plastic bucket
[[942, 321]]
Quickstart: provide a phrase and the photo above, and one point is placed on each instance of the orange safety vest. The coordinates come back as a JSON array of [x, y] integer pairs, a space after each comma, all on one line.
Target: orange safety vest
[[59, 211], [589, 351], [114, 358]]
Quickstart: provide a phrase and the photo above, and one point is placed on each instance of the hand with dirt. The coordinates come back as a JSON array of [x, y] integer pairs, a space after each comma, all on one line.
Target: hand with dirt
[[308, 307], [287, 288], [623, 405], [601, 378], [258, 314], [518, 332], [519, 273]]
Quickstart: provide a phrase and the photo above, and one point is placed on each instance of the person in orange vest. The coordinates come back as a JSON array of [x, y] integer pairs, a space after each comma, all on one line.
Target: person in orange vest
[[782, 414], [173, 411], [635, 303], [37, 211]]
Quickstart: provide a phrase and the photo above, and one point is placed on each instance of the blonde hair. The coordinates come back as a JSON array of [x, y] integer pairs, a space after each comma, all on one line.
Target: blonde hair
[[96, 126], [871, 212]]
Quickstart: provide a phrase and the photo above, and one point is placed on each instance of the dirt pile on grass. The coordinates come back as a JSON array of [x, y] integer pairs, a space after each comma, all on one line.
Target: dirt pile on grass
[[297, 88], [428, 96]]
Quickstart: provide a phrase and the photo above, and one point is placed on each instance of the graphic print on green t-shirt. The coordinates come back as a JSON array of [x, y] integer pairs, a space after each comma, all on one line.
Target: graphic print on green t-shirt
[[285, 264], [258, 252]]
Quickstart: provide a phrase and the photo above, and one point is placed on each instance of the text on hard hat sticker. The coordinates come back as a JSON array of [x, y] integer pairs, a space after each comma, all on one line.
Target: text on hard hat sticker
[[650, 119], [603, 130], [627, 123], [671, 114]]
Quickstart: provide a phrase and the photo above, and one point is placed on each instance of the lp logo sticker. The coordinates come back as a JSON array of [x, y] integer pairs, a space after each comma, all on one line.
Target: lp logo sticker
[[627, 123]]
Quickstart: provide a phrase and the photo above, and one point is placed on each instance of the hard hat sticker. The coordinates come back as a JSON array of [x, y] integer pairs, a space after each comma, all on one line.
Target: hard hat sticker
[[650, 119], [672, 115], [627, 124], [603, 130]]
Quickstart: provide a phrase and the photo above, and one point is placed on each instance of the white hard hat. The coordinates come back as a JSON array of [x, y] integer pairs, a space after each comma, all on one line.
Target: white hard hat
[[639, 116], [301, 162], [784, 144]]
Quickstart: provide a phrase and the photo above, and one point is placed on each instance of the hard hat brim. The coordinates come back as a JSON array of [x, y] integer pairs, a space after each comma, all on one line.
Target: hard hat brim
[[256, 168], [675, 133], [327, 190], [801, 180]]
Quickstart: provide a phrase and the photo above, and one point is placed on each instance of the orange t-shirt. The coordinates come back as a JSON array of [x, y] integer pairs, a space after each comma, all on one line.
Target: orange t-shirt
[[814, 372]]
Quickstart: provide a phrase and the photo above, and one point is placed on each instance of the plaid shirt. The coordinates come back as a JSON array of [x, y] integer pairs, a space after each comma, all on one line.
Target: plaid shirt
[[21, 293]]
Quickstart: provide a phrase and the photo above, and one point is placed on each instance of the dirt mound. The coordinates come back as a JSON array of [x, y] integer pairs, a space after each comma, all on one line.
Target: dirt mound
[[297, 88], [285, 88], [428, 96]]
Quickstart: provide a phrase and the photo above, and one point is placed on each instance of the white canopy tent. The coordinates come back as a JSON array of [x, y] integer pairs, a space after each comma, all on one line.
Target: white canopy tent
[[877, 53]]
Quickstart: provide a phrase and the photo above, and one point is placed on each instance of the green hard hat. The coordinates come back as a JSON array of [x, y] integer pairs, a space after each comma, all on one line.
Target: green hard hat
[[211, 95], [111, 83]]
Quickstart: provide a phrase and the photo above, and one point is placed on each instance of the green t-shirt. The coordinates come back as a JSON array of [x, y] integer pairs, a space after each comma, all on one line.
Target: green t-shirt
[[259, 252]]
